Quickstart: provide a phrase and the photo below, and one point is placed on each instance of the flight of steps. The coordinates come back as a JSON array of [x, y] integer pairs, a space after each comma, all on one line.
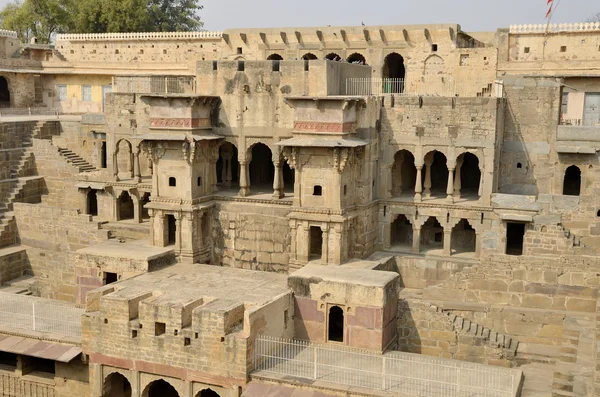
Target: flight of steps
[[75, 160], [20, 286], [493, 339]]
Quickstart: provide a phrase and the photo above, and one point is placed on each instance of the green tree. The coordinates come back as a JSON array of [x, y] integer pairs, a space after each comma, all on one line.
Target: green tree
[[594, 18], [44, 18], [36, 18], [175, 15]]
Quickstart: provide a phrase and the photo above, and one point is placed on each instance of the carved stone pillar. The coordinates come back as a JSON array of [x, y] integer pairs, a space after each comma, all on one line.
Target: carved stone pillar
[[325, 245], [448, 242], [450, 187], [137, 208], [178, 234], [481, 180], [457, 181], [130, 165], [116, 166], [416, 243], [244, 184], [136, 166], [428, 178], [477, 244], [419, 184], [278, 181]]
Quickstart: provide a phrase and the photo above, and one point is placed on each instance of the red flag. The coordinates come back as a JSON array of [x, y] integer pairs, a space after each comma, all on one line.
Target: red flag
[[550, 1], [549, 11]]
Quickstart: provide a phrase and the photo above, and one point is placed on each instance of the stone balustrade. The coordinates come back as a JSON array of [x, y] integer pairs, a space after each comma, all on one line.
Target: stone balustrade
[[555, 27], [137, 36]]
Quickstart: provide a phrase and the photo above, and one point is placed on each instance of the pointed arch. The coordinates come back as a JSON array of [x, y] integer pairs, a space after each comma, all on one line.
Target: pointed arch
[[572, 181], [357, 58], [464, 238], [309, 56]]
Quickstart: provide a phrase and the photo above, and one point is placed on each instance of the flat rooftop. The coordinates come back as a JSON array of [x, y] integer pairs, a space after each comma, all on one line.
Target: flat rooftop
[[346, 274], [184, 282], [137, 250]]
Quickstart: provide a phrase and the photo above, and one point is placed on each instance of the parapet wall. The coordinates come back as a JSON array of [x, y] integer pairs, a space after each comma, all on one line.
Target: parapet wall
[[169, 47]]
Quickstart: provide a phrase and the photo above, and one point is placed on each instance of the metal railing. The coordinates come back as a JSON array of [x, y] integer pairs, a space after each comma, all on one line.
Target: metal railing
[[380, 86], [32, 111], [155, 85], [12, 386], [37, 314], [394, 372]]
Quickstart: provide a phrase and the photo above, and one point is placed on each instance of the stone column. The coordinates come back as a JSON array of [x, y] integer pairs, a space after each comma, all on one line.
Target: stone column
[[160, 239], [152, 223], [116, 166], [278, 181], [481, 180], [136, 166], [428, 178], [244, 185], [416, 244], [450, 187], [419, 184], [457, 180], [135, 386], [325, 245], [303, 241], [178, 234], [130, 165], [198, 227], [293, 248], [137, 208], [477, 244], [387, 236], [117, 214], [448, 242]]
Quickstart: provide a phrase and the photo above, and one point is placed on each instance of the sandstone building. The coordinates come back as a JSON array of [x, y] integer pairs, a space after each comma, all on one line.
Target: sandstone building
[[334, 211]]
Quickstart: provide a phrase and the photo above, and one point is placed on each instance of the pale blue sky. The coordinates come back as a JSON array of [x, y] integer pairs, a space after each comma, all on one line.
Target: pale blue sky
[[472, 15]]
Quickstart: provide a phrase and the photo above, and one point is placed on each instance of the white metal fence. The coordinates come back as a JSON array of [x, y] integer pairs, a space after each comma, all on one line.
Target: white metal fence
[[394, 372], [37, 314], [381, 86], [155, 85], [35, 111]]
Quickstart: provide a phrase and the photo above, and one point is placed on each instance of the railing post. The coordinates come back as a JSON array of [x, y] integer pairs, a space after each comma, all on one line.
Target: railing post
[[383, 374], [166, 85], [315, 363], [29, 109]]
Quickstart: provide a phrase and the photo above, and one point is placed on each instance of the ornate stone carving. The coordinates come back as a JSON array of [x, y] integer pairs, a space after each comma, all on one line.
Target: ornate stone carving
[[153, 150]]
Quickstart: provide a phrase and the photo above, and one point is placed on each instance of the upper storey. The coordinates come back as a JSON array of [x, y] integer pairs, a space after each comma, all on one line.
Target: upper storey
[[560, 50]]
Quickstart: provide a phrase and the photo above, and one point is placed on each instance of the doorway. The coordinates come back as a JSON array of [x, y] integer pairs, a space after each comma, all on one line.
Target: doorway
[[92, 203], [171, 230], [515, 234], [335, 329], [316, 243]]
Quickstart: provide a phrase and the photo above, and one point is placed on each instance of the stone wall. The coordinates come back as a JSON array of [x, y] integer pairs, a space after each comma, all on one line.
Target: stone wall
[[13, 264], [251, 236], [529, 160], [51, 236]]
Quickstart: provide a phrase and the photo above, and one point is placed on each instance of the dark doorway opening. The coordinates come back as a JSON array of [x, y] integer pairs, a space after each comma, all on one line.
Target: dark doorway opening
[[432, 234], [144, 202], [4, 93], [316, 242], [110, 278], [116, 385], [336, 324], [515, 234], [572, 181], [333, 57], [402, 232], [357, 59], [393, 74], [464, 237], [92, 203], [470, 175], [439, 174], [404, 173], [262, 170], [8, 360], [274, 57], [103, 155], [228, 166], [289, 177], [309, 57], [160, 388], [208, 393], [171, 230], [126, 209]]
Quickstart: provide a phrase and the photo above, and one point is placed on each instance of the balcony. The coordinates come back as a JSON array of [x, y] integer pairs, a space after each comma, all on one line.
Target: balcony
[[155, 85], [374, 86]]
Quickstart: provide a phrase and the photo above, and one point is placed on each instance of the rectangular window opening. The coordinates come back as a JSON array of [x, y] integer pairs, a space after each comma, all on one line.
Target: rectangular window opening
[[515, 236], [160, 329]]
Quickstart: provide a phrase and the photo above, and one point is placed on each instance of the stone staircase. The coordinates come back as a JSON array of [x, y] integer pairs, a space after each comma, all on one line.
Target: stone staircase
[[575, 240], [493, 339], [75, 160], [59, 55]]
